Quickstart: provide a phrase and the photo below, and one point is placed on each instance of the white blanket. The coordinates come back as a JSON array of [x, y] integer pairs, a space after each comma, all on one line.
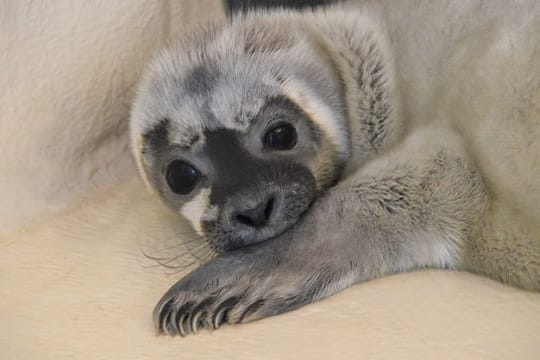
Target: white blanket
[[75, 220]]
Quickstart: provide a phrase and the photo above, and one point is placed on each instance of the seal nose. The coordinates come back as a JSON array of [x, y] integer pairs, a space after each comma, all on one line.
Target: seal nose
[[256, 217]]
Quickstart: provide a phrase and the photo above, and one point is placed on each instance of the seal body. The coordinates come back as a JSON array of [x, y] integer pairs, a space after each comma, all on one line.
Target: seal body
[[323, 148]]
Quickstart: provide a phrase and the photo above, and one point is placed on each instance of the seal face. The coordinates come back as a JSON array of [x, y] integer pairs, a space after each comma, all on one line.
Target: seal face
[[239, 187], [235, 139]]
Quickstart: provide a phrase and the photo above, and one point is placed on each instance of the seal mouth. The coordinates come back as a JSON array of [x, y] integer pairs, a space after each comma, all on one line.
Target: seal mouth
[[222, 238]]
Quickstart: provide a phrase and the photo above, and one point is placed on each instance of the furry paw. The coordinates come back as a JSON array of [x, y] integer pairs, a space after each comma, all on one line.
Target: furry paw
[[231, 290]]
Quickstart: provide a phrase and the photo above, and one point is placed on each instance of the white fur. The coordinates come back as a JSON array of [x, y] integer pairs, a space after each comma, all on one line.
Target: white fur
[[321, 114], [194, 209]]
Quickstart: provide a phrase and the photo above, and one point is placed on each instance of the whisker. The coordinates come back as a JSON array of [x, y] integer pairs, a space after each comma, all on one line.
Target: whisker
[[205, 252], [208, 256], [196, 253], [209, 252], [183, 243], [201, 255], [188, 252], [165, 265], [179, 269], [189, 232]]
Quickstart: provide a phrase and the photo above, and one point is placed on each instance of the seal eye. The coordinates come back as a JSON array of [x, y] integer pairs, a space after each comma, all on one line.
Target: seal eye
[[281, 137], [181, 177]]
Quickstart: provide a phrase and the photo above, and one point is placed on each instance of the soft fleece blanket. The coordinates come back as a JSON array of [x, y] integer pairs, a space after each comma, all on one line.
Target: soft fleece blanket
[[75, 220]]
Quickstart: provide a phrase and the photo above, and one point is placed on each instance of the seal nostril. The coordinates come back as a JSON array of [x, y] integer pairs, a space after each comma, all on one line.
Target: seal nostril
[[246, 220], [256, 217], [269, 208]]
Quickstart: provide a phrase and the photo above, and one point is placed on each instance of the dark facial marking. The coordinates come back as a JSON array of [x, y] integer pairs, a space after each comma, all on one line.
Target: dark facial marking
[[235, 167], [200, 81], [157, 137], [194, 140], [244, 183]]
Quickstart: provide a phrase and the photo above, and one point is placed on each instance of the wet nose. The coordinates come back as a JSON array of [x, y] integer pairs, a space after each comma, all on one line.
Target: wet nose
[[255, 217]]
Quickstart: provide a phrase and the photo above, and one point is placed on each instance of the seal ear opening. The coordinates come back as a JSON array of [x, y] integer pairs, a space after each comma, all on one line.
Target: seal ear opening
[[138, 151]]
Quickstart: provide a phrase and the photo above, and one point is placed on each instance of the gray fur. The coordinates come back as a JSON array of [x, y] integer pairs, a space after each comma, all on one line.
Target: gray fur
[[390, 193]]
